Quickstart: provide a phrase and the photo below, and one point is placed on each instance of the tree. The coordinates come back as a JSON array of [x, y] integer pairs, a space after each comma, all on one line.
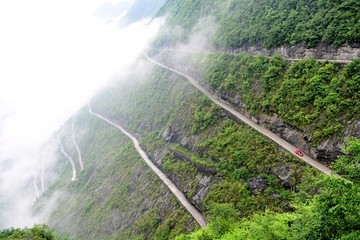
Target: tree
[[349, 165]]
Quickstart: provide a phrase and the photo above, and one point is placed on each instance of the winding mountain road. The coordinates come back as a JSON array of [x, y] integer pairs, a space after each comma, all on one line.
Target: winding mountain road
[[177, 193], [42, 174], [37, 194], [281, 142], [70, 160], [77, 147], [254, 55]]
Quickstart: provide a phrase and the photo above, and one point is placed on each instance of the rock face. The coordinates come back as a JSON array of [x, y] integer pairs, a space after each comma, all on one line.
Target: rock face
[[257, 185], [284, 173], [322, 51], [205, 175], [202, 191], [326, 152]]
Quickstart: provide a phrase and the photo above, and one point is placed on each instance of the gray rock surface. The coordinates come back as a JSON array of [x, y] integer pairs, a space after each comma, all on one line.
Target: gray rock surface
[[257, 185], [322, 51]]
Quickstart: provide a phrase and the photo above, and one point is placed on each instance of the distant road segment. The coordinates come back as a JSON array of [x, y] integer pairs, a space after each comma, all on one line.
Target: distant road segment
[[254, 55], [70, 160], [281, 142], [77, 147], [177, 193]]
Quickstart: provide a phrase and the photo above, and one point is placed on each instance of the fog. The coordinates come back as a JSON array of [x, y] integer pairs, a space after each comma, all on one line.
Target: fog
[[54, 56]]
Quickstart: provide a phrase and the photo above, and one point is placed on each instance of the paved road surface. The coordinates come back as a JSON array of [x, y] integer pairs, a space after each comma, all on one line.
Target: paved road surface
[[281, 142], [178, 194], [77, 147], [70, 160], [255, 55]]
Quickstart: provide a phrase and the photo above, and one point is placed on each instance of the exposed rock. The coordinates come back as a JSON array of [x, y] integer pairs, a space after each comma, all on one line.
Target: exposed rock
[[168, 135], [328, 150], [189, 142], [158, 155], [203, 189], [356, 129], [257, 184], [322, 51], [208, 171], [283, 172], [275, 195], [180, 156]]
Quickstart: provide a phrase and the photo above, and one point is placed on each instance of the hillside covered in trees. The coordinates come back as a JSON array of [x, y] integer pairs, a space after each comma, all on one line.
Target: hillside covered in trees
[[245, 185], [270, 23]]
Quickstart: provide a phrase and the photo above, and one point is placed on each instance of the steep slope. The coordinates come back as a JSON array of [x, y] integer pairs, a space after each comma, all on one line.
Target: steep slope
[[240, 180], [211, 158], [116, 196], [307, 102], [272, 23]]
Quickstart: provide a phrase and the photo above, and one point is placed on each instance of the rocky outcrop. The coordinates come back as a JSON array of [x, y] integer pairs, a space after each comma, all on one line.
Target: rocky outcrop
[[202, 190], [257, 184], [284, 173], [205, 175], [321, 52]]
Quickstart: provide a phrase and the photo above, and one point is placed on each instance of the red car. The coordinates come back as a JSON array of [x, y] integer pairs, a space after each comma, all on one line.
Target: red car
[[298, 152]]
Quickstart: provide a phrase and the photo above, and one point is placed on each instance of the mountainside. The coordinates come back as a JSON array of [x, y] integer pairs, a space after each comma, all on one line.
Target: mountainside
[[272, 23], [141, 9], [245, 185]]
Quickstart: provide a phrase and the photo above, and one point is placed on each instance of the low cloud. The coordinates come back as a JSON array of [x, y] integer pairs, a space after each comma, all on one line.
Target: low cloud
[[54, 58]]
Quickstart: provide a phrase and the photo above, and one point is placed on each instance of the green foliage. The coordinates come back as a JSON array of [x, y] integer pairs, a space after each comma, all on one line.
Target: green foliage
[[268, 23], [37, 232], [204, 115], [333, 214], [307, 94], [348, 165]]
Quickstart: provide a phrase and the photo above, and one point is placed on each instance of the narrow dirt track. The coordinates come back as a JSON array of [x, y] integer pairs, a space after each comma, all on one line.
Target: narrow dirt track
[[281, 142], [177, 193]]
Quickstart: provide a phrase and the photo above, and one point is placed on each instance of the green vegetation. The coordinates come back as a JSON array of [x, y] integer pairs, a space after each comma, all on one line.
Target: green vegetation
[[348, 165], [321, 98], [228, 153], [268, 23], [333, 214], [116, 196], [246, 186], [37, 232], [304, 93]]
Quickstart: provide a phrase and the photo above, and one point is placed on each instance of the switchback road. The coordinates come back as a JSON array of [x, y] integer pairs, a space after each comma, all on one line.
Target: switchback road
[[70, 160], [77, 147], [177, 193], [281, 142]]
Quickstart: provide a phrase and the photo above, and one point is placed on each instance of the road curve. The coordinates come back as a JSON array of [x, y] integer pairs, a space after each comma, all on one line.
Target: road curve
[[178, 194], [70, 160], [77, 147], [281, 142]]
